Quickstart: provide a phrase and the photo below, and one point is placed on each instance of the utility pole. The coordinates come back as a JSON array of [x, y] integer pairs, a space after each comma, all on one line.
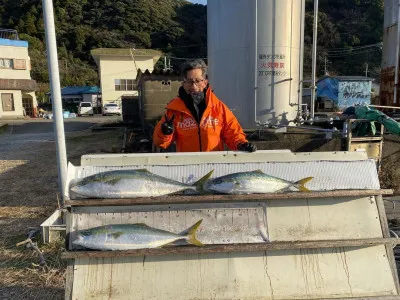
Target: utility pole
[[165, 63], [366, 69], [314, 58], [54, 76], [326, 73]]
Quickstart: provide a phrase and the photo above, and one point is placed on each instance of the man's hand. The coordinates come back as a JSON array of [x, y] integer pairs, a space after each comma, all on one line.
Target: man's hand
[[167, 127], [247, 147]]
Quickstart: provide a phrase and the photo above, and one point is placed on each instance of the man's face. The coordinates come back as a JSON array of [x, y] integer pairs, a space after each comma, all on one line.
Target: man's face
[[194, 81]]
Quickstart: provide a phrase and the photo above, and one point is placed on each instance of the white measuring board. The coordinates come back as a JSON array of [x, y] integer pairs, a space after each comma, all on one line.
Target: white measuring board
[[331, 173], [222, 223]]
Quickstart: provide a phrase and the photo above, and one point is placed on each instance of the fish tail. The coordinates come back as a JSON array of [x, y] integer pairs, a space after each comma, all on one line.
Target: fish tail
[[190, 234], [200, 183], [300, 184]]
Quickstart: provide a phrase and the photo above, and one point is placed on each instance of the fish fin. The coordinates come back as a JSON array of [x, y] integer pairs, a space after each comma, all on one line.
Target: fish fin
[[199, 183], [300, 184], [141, 225], [190, 234], [113, 181], [143, 170], [258, 171], [115, 235]]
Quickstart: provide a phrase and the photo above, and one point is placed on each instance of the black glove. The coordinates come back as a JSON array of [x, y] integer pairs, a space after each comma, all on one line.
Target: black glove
[[247, 147], [167, 127]]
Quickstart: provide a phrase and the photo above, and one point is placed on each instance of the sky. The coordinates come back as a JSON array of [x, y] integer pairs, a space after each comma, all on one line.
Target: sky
[[204, 2]]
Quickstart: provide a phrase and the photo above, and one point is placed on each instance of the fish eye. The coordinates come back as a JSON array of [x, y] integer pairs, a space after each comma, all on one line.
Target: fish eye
[[218, 181]]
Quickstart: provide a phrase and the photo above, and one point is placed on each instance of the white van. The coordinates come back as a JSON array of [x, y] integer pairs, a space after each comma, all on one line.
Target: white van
[[85, 108]]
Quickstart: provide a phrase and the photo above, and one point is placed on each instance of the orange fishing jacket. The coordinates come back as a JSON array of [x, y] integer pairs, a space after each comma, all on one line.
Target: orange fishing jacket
[[217, 126]]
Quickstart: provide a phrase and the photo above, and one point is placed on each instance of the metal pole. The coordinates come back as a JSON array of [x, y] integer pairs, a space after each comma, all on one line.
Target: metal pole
[[301, 60], [314, 58], [384, 106], [52, 61], [255, 60], [396, 77]]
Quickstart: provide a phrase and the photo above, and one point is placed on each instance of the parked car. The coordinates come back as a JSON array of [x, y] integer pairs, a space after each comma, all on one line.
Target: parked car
[[111, 109], [85, 108]]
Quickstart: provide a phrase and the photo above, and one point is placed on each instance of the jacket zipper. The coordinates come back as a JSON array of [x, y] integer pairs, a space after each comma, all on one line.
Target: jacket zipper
[[198, 131], [199, 138]]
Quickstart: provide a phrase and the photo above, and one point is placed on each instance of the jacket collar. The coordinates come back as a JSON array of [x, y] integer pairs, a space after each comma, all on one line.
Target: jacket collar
[[178, 104]]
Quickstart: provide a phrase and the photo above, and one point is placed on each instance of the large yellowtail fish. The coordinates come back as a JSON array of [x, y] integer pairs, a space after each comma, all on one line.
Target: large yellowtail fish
[[129, 184], [255, 182], [132, 236]]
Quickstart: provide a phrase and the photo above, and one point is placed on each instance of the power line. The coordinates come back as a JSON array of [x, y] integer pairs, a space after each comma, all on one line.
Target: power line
[[352, 48], [352, 53]]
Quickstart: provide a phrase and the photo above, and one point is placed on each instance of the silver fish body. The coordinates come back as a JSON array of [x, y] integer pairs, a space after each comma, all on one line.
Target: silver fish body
[[128, 184], [255, 182], [132, 236]]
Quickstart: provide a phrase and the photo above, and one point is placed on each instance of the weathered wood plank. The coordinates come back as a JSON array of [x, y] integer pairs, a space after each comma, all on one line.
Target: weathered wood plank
[[184, 199], [386, 234], [248, 247], [364, 298], [69, 279]]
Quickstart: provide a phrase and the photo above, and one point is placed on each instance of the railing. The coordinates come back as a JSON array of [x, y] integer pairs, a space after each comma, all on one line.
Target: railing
[[10, 34]]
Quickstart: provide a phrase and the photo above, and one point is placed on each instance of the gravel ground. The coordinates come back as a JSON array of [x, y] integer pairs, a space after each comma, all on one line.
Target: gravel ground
[[28, 195]]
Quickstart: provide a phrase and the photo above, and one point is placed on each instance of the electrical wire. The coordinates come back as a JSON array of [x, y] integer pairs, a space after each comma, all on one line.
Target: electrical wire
[[340, 50], [352, 53]]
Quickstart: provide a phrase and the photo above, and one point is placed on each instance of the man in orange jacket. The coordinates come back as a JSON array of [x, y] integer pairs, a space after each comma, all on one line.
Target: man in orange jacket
[[197, 120]]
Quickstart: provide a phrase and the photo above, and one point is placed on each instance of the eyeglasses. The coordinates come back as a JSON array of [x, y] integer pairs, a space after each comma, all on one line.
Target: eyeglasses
[[195, 81]]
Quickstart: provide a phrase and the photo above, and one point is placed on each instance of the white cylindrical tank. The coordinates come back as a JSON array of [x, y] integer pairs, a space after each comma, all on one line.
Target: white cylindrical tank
[[255, 57], [390, 55]]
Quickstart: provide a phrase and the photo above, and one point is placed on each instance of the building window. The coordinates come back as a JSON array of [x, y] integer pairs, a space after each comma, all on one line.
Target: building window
[[125, 84], [6, 63], [7, 101]]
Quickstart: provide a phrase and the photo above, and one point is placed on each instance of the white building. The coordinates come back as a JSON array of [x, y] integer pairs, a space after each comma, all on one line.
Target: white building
[[17, 89], [118, 69]]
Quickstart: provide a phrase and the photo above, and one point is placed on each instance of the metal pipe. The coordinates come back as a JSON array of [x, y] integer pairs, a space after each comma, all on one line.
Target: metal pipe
[[396, 77], [314, 58], [383, 106], [54, 76], [301, 78], [255, 59], [302, 127]]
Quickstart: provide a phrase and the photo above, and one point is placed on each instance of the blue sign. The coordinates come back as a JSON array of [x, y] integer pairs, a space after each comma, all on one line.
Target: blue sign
[[354, 92]]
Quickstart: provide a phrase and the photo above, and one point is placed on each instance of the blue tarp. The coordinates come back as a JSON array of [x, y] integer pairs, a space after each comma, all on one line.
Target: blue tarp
[[328, 88], [79, 90]]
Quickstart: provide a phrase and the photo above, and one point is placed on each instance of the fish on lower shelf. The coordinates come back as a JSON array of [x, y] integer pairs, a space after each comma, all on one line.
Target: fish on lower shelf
[[133, 236], [254, 182], [130, 184]]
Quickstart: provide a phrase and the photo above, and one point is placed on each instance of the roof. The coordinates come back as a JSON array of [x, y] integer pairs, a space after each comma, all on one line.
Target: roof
[[96, 53], [79, 90], [14, 43], [347, 78]]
